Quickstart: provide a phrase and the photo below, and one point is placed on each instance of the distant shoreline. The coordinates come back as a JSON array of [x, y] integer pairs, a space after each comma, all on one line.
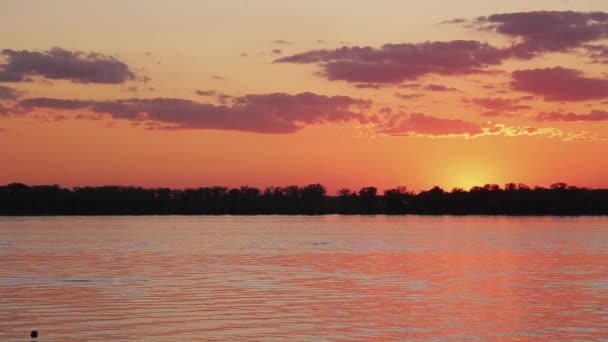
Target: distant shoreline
[[512, 200]]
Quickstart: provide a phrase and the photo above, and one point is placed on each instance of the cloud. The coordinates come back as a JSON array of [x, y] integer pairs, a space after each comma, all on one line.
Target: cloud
[[428, 87], [221, 97], [368, 85], [60, 64], [5, 111], [393, 63], [277, 51], [455, 21], [52, 103], [547, 31], [145, 79], [439, 88], [278, 113], [560, 84], [496, 106], [408, 96], [426, 125], [419, 124], [206, 92], [516, 131], [410, 86], [599, 53], [542, 132], [10, 76], [7, 93], [281, 42], [594, 115], [264, 113]]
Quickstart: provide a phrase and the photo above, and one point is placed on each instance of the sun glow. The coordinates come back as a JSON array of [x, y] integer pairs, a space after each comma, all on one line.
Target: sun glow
[[468, 176]]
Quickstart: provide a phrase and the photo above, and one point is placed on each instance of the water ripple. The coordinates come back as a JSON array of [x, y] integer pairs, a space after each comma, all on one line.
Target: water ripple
[[304, 278]]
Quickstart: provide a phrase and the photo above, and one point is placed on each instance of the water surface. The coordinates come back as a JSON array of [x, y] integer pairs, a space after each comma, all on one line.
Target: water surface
[[329, 278]]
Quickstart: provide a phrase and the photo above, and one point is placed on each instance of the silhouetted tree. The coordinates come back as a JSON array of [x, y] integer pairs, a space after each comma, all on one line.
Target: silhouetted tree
[[431, 201], [396, 200], [347, 202], [368, 201], [313, 199], [514, 199]]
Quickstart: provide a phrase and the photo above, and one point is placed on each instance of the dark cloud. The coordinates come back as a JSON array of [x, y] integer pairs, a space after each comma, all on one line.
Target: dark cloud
[[547, 31], [52, 103], [560, 84], [594, 115], [7, 93], [266, 113], [9, 76], [277, 51], [422, 124], [496, 106], [60, 64], [393, 63], [215, 77]]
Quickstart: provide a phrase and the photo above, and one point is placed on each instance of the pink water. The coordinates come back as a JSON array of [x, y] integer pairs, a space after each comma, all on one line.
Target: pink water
[[278, 278]]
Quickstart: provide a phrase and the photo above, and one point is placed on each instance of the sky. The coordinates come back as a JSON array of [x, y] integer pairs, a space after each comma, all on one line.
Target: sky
[[348, 94]]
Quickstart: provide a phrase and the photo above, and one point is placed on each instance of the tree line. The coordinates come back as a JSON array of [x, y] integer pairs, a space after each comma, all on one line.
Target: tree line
[[491, 199]]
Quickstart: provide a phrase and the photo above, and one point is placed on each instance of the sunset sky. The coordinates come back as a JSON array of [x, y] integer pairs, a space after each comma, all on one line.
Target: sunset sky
[[274, 92]]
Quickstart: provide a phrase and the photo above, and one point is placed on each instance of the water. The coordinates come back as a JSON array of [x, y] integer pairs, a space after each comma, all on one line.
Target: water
[[278, 278]]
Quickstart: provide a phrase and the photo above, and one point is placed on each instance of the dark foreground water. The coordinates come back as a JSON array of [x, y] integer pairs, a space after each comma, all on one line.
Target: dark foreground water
[[276, 278]]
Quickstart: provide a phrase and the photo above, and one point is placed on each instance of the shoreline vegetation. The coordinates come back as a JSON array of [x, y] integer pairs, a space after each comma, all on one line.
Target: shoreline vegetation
[[18, 199]]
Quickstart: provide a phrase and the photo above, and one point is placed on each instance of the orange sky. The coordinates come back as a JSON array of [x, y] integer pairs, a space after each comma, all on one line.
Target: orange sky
[[519, 97]]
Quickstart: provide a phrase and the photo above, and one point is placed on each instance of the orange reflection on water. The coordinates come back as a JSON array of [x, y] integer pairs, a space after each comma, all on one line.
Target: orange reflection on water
[[304, 278]]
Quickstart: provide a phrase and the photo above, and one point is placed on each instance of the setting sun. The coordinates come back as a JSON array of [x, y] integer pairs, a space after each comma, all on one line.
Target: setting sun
[[467, 175]]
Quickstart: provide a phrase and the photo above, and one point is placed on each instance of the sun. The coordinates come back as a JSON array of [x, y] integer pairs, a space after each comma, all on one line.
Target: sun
[[468, 176]]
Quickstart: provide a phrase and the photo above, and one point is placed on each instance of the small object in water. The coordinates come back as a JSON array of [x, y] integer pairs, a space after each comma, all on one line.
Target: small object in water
[[34, 334]]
